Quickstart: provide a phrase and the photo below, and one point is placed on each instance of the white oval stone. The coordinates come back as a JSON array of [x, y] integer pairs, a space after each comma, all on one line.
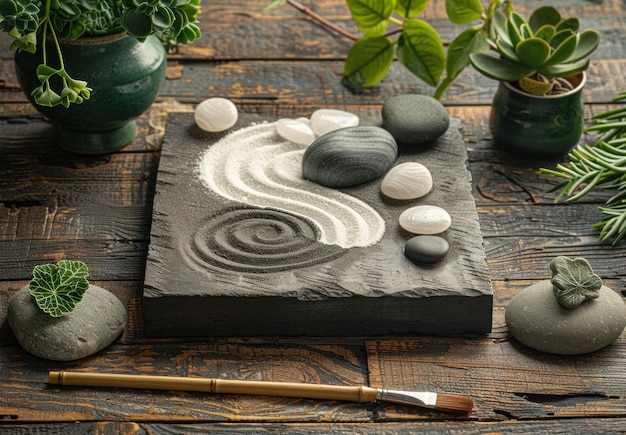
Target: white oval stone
[[408, 180], [298, 131], [216, 114], [326, 120], [425, 219]]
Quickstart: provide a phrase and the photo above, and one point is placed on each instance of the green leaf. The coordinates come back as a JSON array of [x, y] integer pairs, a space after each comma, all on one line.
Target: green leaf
[[420, 50], [588, 41], [564, 51], [506, 50], [471, 40], [499, 69], [573, 281], [408, 9], [545, 32], [464, 11], [58, 288], [371, 16], [368, 61], [559, 37], [543, 16], [564, 70], [514, 25], [274, 5], [568, 24], [533, 51]]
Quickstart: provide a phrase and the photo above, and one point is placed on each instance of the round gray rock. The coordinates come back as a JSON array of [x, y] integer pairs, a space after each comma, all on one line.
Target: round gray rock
[[415, 119], [94, 324], [426, 248], [536, 319], [349, 156]]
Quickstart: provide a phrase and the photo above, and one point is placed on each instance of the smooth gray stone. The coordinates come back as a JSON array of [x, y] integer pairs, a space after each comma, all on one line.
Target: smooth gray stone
[[349, 156], [426, 248], [95, 323], [415, 119], [536, 319]]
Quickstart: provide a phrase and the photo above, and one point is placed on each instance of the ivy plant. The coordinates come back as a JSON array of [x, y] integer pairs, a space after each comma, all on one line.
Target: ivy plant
[[35, 23], [58, 288]]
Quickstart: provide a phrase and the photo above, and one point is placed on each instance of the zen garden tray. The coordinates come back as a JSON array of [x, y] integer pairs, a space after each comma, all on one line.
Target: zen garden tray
[[220, 266]]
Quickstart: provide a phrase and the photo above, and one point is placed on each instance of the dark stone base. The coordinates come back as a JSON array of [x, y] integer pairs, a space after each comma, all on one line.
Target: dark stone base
[[192, 289]]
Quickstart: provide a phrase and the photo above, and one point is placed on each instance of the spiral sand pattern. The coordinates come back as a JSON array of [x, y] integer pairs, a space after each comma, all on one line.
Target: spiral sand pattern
[[255, 166], [259, 241]]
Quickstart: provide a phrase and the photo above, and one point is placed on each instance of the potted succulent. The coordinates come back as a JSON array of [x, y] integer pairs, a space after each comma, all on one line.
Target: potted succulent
[[91, 66], [498, 42], [541, 69]]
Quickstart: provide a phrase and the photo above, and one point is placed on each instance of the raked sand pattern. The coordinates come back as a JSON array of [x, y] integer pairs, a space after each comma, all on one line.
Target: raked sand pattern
[[256, 167]]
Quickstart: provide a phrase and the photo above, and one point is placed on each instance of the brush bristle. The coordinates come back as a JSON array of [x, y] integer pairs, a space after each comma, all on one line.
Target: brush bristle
[[450, 402]]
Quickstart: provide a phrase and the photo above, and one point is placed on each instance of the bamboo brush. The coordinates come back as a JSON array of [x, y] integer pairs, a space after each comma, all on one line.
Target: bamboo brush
[[440, 402]]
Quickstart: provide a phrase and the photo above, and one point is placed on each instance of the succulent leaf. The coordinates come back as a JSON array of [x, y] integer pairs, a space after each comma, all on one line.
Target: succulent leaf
[[506, 50], [545, 32], [568, 24], [564, 51], [533, 52], [564, 70], [500, 69], [573, 281], [543, 16], [587, 43]]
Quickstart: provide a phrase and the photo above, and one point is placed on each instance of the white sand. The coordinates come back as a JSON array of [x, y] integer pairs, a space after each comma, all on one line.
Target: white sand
[[257, 167]]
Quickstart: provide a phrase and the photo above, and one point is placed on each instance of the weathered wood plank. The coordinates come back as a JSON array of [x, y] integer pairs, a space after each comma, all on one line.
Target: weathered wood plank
[[505, 379], [298, 82], [580, 425], [26, 397]]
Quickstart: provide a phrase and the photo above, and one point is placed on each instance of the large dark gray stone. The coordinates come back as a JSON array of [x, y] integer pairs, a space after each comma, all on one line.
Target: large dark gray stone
[[415, 119], [536, 319], [196, 285], [95, 323]]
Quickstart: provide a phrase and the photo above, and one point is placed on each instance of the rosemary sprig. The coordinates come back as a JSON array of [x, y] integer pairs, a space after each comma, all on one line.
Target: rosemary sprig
[[601, 166]]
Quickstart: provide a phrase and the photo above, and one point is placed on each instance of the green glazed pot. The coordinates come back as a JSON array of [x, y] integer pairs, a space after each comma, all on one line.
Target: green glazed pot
[[537, 125], [125, 76]]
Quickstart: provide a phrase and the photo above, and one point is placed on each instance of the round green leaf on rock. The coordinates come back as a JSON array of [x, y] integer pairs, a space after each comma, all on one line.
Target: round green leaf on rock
[[58, 288]]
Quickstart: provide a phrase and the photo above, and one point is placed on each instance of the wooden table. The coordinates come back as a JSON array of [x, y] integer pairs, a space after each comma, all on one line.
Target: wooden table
[[56, 205]]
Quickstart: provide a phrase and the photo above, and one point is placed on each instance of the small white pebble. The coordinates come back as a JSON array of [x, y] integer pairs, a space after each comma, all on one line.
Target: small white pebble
[[297, 131], [216, 114], [326, 120]]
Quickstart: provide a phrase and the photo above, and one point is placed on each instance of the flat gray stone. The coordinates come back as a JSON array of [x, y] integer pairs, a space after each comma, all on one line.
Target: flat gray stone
[[536, 319], [426, 248], [415, 119], [94, 324]]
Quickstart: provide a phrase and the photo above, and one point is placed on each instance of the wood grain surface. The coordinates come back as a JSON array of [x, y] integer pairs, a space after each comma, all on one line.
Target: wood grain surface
[[55, 205]]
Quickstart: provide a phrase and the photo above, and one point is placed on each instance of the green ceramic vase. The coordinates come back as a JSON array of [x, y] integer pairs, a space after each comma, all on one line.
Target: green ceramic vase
[[537, 125], [125, 76]]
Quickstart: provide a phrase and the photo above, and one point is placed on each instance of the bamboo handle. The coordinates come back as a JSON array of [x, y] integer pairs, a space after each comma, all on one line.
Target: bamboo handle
[[285, 389]]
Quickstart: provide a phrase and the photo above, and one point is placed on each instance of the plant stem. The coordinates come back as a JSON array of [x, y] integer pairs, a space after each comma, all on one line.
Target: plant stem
[[321, 20]]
